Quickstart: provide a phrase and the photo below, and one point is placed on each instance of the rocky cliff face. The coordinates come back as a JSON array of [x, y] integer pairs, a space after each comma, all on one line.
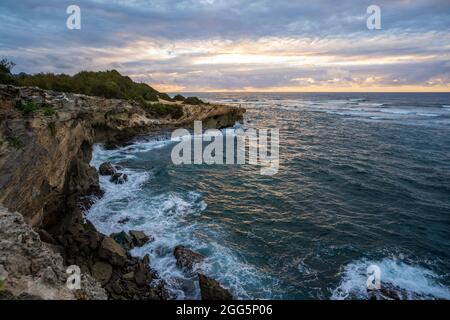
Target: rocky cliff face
[[46, 141], [45, 153]]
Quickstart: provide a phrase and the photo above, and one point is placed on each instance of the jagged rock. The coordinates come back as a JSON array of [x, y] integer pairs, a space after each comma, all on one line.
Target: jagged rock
[[106, 169], [119, 178], [113, 252], [31, 268], [102, 272], [187, 258], [124, 239], [212, 290], [186, 285], [46, 237], [139, 238], [128, 276], [51, 171], [123, 220], [391, 292]]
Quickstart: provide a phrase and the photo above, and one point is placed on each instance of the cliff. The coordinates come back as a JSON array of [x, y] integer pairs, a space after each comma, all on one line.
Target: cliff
[[46, 142]]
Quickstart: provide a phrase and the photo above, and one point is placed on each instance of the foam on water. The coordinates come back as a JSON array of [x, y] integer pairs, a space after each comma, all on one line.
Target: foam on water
[[416, 281], [172, 218]]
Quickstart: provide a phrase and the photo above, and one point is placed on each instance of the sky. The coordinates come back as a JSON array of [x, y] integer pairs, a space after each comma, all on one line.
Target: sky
[[237, 45]]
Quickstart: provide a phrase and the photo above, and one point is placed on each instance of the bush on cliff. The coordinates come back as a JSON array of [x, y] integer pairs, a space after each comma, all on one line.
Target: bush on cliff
[[179, 97], [193, 100], [107, 84], [5, 72], [162, 109]]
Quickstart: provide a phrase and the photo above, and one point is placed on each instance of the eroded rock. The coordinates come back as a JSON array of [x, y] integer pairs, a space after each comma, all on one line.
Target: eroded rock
[[140, 238], [212, 290], [187, 258], [102, 272], [112, 252], [119, 178], [106, 169]]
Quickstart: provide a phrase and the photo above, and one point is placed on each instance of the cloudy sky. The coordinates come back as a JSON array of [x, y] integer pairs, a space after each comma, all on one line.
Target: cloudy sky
[[237, 45]]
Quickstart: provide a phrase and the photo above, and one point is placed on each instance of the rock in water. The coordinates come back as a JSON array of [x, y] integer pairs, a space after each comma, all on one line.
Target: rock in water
[[124, 239], [113, 252], [106, 169], [139, 238], [102, 271], [187, 258], [119, 178], [212, 290]]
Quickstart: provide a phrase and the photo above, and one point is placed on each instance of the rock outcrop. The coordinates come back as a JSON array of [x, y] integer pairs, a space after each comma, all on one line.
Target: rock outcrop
[[212, 290], [187, 259], [32, 269], [44, 157], [45, 150]]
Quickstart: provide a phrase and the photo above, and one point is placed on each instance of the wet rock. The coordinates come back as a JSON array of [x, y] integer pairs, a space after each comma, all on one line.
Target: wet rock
[[187, 258], [186, 285], [113, 252], [128, 276], [391, 292], [139, 238], [46, 237], [123, 220], [106, 169], [124, 239], [211, 289], [119, 178], [102, 272]]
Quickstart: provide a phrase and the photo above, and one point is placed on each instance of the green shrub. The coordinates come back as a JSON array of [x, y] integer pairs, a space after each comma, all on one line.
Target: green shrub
[[193, 100], [162, 109], [165, 96], [27, 108], [179, 97], [49, 110], [5, 72], [15, 143], [107, 84]]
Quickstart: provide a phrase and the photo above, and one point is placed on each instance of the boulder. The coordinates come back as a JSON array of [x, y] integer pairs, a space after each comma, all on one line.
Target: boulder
[[112, 251], [128, 276], [119, 178], [102, 272], [212, 290], [139, 238], [187, 258], [124, 239], [46, 237], [123, 220], [106, 169]]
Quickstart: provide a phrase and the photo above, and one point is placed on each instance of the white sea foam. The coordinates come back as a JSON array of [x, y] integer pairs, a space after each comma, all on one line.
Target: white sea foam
[[172, 218], [414, 279]]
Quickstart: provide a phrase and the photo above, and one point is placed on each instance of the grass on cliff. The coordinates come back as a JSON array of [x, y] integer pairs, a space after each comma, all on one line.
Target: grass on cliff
[[28, 108], [15, 143], [160, 109], [108, 84]]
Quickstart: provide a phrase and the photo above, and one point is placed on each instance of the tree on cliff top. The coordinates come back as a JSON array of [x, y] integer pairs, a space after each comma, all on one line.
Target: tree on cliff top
[[5, 71]]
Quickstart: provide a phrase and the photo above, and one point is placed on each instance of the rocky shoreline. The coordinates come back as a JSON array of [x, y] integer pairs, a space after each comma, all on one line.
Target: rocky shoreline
[[45, 176]]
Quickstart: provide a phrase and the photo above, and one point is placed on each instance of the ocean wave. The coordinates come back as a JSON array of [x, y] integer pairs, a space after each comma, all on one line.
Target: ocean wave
[[172, 218], [416, 281]]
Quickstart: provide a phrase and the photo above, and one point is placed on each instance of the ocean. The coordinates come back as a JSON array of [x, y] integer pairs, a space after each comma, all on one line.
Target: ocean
[[363, 179]]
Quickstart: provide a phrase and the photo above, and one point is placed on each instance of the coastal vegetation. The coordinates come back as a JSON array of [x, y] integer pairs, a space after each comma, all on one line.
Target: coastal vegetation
[[107, 84]]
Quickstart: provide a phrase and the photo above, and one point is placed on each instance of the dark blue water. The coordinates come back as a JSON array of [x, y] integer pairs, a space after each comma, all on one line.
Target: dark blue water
[[363, 179]]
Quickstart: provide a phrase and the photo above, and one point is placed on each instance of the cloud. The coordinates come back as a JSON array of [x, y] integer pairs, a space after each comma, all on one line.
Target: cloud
[[233, 45]]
